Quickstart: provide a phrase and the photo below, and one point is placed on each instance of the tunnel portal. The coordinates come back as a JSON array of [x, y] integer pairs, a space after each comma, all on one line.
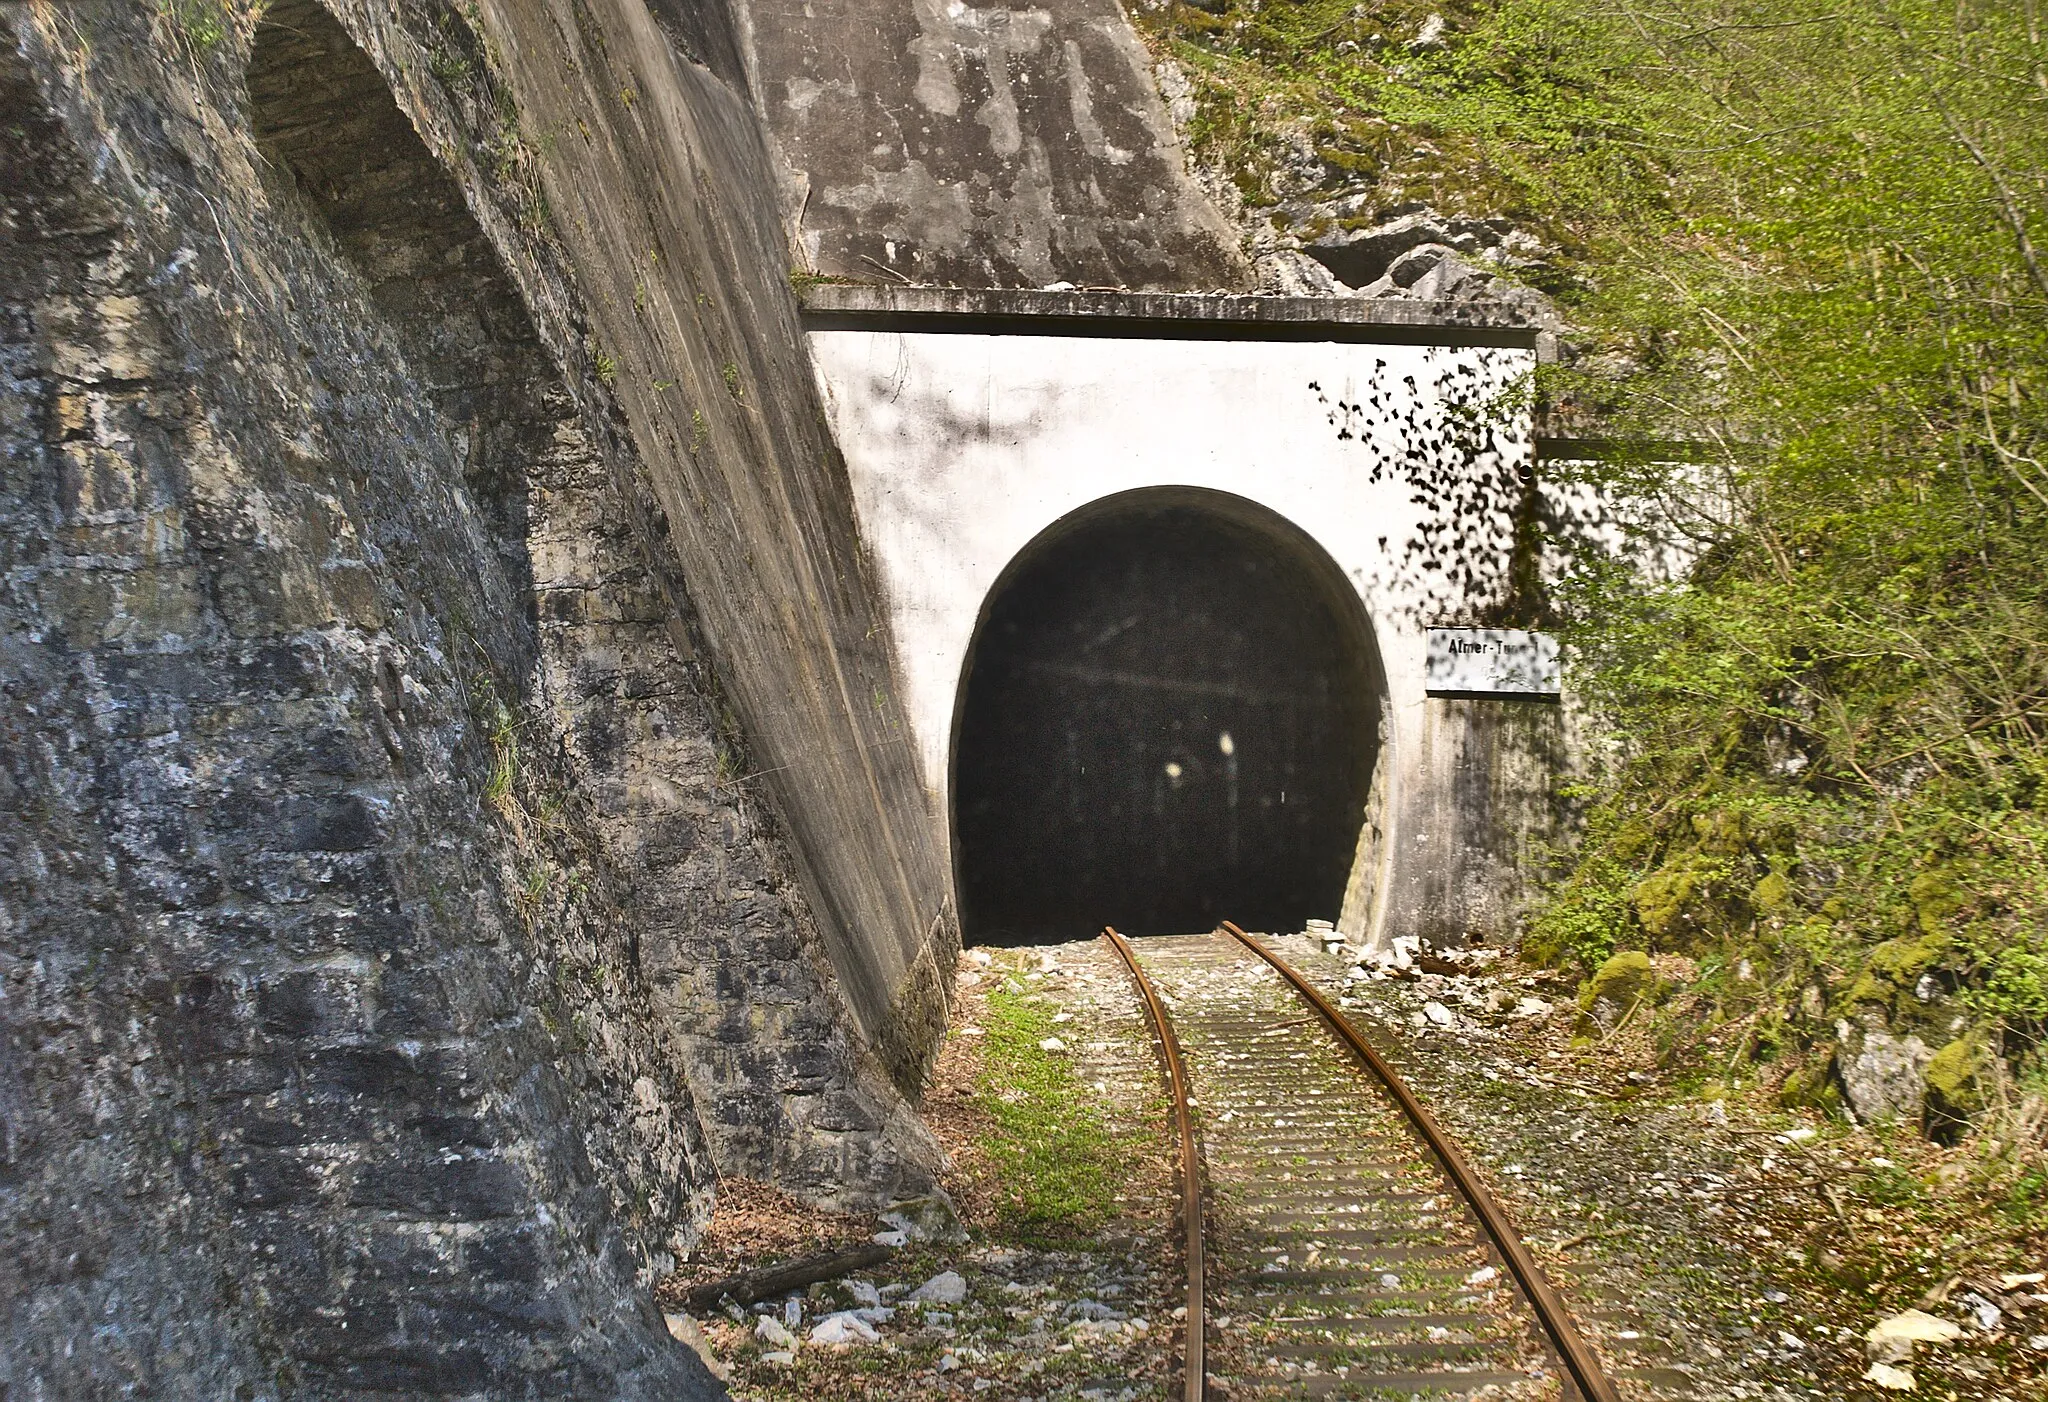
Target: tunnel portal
[[1169, 717]]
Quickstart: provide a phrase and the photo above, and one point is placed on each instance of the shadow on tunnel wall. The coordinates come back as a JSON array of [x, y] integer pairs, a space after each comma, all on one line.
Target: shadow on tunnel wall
[[1169, 716]]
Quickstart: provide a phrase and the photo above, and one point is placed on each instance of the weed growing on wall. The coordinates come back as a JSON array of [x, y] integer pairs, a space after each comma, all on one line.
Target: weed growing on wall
[[199, 25]]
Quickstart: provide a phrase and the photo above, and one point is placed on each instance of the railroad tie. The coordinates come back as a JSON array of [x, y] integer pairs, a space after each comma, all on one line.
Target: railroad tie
[[1345, 1256]]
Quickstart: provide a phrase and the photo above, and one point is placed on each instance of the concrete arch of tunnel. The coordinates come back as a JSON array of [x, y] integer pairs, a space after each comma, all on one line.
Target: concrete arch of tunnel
[[974, 423], [1171, 713]]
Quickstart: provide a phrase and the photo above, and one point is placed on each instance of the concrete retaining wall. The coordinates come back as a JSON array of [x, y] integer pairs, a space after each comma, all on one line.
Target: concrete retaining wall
[[449, 746], [654, 178], [980, 146]]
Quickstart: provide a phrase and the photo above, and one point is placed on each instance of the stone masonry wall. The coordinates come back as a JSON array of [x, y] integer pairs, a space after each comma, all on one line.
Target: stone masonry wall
[[393, 950]]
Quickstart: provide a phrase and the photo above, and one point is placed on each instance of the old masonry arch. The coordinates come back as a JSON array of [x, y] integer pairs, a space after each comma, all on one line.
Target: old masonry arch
[[1169, 716]]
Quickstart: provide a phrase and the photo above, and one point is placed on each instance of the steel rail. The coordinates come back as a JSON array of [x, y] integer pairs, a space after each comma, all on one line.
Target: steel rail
[[1572, 1350], [1190, 1164]]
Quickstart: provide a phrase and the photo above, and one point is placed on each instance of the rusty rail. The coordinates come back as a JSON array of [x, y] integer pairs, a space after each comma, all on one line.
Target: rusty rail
[[1190, 1165], [1572, 1350]]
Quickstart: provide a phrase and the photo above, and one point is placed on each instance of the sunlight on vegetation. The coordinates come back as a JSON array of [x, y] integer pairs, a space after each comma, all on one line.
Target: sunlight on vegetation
[[200, 24], [1054, 1152], [1808, 240]]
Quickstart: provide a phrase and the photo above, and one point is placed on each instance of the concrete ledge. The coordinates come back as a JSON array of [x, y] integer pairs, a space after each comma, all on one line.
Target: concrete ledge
[[1162, 316]]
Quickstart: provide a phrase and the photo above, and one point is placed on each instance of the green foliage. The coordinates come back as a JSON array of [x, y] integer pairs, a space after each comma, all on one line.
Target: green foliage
[[1893, 1187], [452, 69], [1838, 282], [200, 25], [2026, 1199], [1059, 1160], [1810, 240], [501, 787]]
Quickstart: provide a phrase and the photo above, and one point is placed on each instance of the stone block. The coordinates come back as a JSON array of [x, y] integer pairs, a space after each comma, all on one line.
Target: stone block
[[337, 823], [463, 1189], [426, 1369], [297, 1123], [325, 1002], [505, 1253], [1884, 1077], [266, 1180]]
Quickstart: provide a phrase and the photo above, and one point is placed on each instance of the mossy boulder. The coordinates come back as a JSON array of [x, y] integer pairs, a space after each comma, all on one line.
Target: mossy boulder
[[1663, 898], [1902, 961], [1616, 988], [1894, 968], [1811, 1086], [1690, 903], [1720, 834], [1936, 898], [1773, 894], [1960, 1080]]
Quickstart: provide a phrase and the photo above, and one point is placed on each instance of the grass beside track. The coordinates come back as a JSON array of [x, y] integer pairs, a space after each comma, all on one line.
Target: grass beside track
[[1055, 1156], [1061, 1168]]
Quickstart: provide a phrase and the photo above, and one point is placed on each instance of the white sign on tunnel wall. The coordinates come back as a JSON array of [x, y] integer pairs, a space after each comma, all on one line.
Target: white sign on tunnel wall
[[1492, 662]]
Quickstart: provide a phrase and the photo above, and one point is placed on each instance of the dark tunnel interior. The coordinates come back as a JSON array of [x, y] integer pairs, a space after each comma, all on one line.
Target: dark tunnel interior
[[1170, 717]]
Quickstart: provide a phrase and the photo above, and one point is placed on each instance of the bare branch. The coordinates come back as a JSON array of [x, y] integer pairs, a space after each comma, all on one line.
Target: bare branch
[[2015, 217]]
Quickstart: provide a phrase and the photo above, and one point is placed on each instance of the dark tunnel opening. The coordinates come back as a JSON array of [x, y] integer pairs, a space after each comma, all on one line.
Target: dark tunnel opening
[[1169, 717]]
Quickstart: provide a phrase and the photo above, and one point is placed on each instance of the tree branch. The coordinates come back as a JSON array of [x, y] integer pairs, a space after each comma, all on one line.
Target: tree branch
[[2015, 217]]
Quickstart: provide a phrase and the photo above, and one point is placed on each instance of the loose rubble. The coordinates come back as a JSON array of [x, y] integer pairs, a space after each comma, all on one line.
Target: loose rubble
[[1713, 1249], [966, 1306], [945, 1288]]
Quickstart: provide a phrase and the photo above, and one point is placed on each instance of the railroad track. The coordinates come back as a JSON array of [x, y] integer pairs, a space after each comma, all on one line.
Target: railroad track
[[1343, 1248]]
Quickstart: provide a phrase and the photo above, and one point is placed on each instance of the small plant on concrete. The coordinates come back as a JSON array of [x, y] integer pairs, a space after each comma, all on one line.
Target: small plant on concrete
[[199, 25]]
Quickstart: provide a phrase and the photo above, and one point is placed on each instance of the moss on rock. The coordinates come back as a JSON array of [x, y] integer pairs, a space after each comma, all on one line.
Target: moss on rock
[[1662, 898], [1893, 969], [1936, 898], [1811, 1085], [1902, 961], [1616, 988], [1773, 894], [1959, 1083], [1720, 834], [1689, 902]]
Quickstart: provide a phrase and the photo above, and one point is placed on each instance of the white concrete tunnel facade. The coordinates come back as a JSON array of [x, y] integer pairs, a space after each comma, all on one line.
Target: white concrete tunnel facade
[[963, 448]]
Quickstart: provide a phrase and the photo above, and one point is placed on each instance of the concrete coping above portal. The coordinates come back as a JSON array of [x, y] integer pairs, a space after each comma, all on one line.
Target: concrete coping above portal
[[1162, 316]]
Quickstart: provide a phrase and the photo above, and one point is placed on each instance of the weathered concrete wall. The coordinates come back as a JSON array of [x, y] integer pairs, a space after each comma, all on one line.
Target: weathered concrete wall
[[981, 146], [1483, 820], [973, 422], [392, 944], [653, 175]]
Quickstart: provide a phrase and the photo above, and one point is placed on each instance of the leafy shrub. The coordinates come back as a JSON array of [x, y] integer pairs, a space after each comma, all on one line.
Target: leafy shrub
[[1810, 242]]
